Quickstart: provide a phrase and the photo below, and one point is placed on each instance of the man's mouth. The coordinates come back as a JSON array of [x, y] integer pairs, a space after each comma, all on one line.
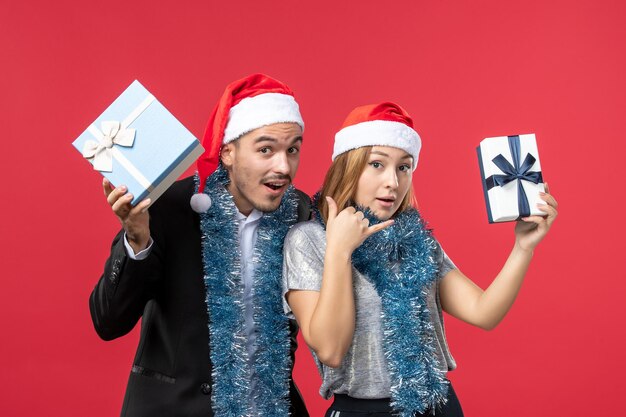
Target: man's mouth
[[276, 185]]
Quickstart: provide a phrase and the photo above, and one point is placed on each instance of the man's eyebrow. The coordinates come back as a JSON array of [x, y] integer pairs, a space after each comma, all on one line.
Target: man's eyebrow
[[274, 140], [265, 139]]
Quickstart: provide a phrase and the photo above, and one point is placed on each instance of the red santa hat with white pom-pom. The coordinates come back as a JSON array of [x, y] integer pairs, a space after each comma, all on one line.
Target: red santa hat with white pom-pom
[[247, 104], [383, 124]]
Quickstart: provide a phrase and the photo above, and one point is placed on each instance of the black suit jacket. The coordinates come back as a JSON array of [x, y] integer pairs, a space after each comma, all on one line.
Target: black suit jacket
[[171, 372]]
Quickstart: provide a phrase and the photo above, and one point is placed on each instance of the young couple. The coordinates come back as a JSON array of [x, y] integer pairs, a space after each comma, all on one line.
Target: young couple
[[364, 278]]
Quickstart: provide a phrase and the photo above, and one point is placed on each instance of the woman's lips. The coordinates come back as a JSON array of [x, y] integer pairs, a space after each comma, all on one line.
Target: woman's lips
[[386, 202]]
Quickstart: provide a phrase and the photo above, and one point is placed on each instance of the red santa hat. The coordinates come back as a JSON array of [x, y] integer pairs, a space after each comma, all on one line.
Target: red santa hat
[[384, 124], [247, 104]]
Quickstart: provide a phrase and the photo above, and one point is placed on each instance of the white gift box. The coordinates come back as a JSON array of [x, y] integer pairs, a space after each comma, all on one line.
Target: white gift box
[[137, 142], [511, 177]]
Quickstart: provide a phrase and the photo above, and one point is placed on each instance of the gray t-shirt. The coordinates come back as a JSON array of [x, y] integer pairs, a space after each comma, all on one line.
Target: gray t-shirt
[[363, 372]]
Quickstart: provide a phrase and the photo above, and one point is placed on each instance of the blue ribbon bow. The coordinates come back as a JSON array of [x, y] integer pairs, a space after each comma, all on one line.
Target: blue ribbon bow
[[518, 171]]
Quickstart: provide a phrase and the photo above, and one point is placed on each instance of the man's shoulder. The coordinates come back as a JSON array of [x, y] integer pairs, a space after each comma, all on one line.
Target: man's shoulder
[[177, 195], [304, 205], [185, 186]]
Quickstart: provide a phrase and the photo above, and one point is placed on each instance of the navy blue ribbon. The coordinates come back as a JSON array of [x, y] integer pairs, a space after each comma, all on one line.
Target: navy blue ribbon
[[520, 170]]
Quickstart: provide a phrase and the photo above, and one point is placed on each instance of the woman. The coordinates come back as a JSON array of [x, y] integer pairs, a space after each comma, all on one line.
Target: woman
[[367, 285]]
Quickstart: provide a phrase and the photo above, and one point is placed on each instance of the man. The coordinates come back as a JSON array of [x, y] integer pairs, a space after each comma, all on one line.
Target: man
[[206, 281]]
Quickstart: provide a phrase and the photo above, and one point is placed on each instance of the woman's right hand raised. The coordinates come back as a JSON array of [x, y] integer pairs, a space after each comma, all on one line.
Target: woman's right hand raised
[[135, 220], [348, 229]]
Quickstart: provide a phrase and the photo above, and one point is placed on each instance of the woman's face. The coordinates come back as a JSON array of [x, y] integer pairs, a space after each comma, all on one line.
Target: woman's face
[[385, 181]]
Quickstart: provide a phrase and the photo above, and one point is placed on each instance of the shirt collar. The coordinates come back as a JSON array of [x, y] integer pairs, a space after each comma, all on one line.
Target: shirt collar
[[254, 216]]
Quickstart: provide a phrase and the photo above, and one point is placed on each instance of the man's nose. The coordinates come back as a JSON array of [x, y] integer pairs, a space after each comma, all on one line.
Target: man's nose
[[281, 163]]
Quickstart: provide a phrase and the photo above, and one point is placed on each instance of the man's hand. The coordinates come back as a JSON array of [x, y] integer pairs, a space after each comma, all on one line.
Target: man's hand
[[135, 220]]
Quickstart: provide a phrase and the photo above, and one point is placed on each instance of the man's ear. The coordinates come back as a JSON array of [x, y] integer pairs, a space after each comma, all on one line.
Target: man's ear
[[227, 154]]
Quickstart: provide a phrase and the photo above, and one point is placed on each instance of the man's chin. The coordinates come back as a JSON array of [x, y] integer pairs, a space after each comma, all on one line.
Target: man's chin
[[268, 206]]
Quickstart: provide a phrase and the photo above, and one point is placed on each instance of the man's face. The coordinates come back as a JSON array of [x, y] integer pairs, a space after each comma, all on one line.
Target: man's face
[[261, 164]]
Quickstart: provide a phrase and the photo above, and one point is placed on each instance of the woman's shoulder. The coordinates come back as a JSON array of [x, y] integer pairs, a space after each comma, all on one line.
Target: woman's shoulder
[[310, 230], [442, 259]]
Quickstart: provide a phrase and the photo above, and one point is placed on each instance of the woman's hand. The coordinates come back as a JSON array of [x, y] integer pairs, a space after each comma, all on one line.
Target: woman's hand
[[347, 230], [531, 230]]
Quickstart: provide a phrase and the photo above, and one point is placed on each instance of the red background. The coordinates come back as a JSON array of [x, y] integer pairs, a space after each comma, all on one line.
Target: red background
[[465, 70]]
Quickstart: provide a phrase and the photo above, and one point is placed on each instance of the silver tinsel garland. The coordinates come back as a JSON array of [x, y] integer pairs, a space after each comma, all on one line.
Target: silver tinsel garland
[[222, 276]]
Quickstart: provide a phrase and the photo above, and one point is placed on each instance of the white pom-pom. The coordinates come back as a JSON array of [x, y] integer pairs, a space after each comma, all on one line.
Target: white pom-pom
[[200, 202]]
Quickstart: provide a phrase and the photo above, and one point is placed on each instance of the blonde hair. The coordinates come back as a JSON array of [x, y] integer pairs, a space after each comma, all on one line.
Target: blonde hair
[[342, 180]]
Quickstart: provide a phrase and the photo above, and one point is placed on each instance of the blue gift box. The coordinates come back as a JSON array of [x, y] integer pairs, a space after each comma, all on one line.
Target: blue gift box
[[511, 177], [138, 143]]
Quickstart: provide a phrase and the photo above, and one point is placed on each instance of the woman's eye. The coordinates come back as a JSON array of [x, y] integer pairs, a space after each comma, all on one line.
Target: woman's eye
[[376, 164], [405, 168]]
